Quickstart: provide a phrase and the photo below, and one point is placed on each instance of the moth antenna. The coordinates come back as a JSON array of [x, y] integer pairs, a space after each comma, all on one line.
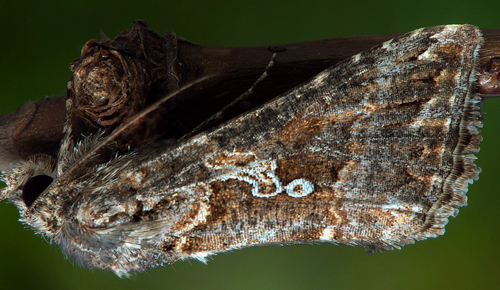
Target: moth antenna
[[89, 154], [243, 96]]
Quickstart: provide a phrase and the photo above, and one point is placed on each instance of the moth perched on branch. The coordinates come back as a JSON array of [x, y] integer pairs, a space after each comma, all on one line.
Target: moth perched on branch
[[376, 150]]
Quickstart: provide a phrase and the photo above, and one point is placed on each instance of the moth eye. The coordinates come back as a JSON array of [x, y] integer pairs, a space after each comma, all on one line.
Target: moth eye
[[34, 187]]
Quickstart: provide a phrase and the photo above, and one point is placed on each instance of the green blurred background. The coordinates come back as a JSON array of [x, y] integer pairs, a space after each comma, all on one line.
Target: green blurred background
[[40, 39]]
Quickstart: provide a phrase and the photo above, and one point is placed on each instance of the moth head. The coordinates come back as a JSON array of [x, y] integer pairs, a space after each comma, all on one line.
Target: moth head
[[64, 207], [27, 184]]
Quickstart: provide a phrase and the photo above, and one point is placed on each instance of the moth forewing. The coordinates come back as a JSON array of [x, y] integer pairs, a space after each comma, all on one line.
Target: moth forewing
[[376, 152]]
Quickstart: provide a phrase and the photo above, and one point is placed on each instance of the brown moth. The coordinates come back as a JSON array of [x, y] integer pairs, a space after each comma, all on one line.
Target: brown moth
[[377, 151]]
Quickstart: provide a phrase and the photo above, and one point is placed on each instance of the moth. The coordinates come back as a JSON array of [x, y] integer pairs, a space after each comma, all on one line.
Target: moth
[[375, 152]]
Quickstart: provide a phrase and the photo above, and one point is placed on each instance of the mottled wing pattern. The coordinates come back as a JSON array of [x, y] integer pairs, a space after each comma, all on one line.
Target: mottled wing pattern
[[377, 152]]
